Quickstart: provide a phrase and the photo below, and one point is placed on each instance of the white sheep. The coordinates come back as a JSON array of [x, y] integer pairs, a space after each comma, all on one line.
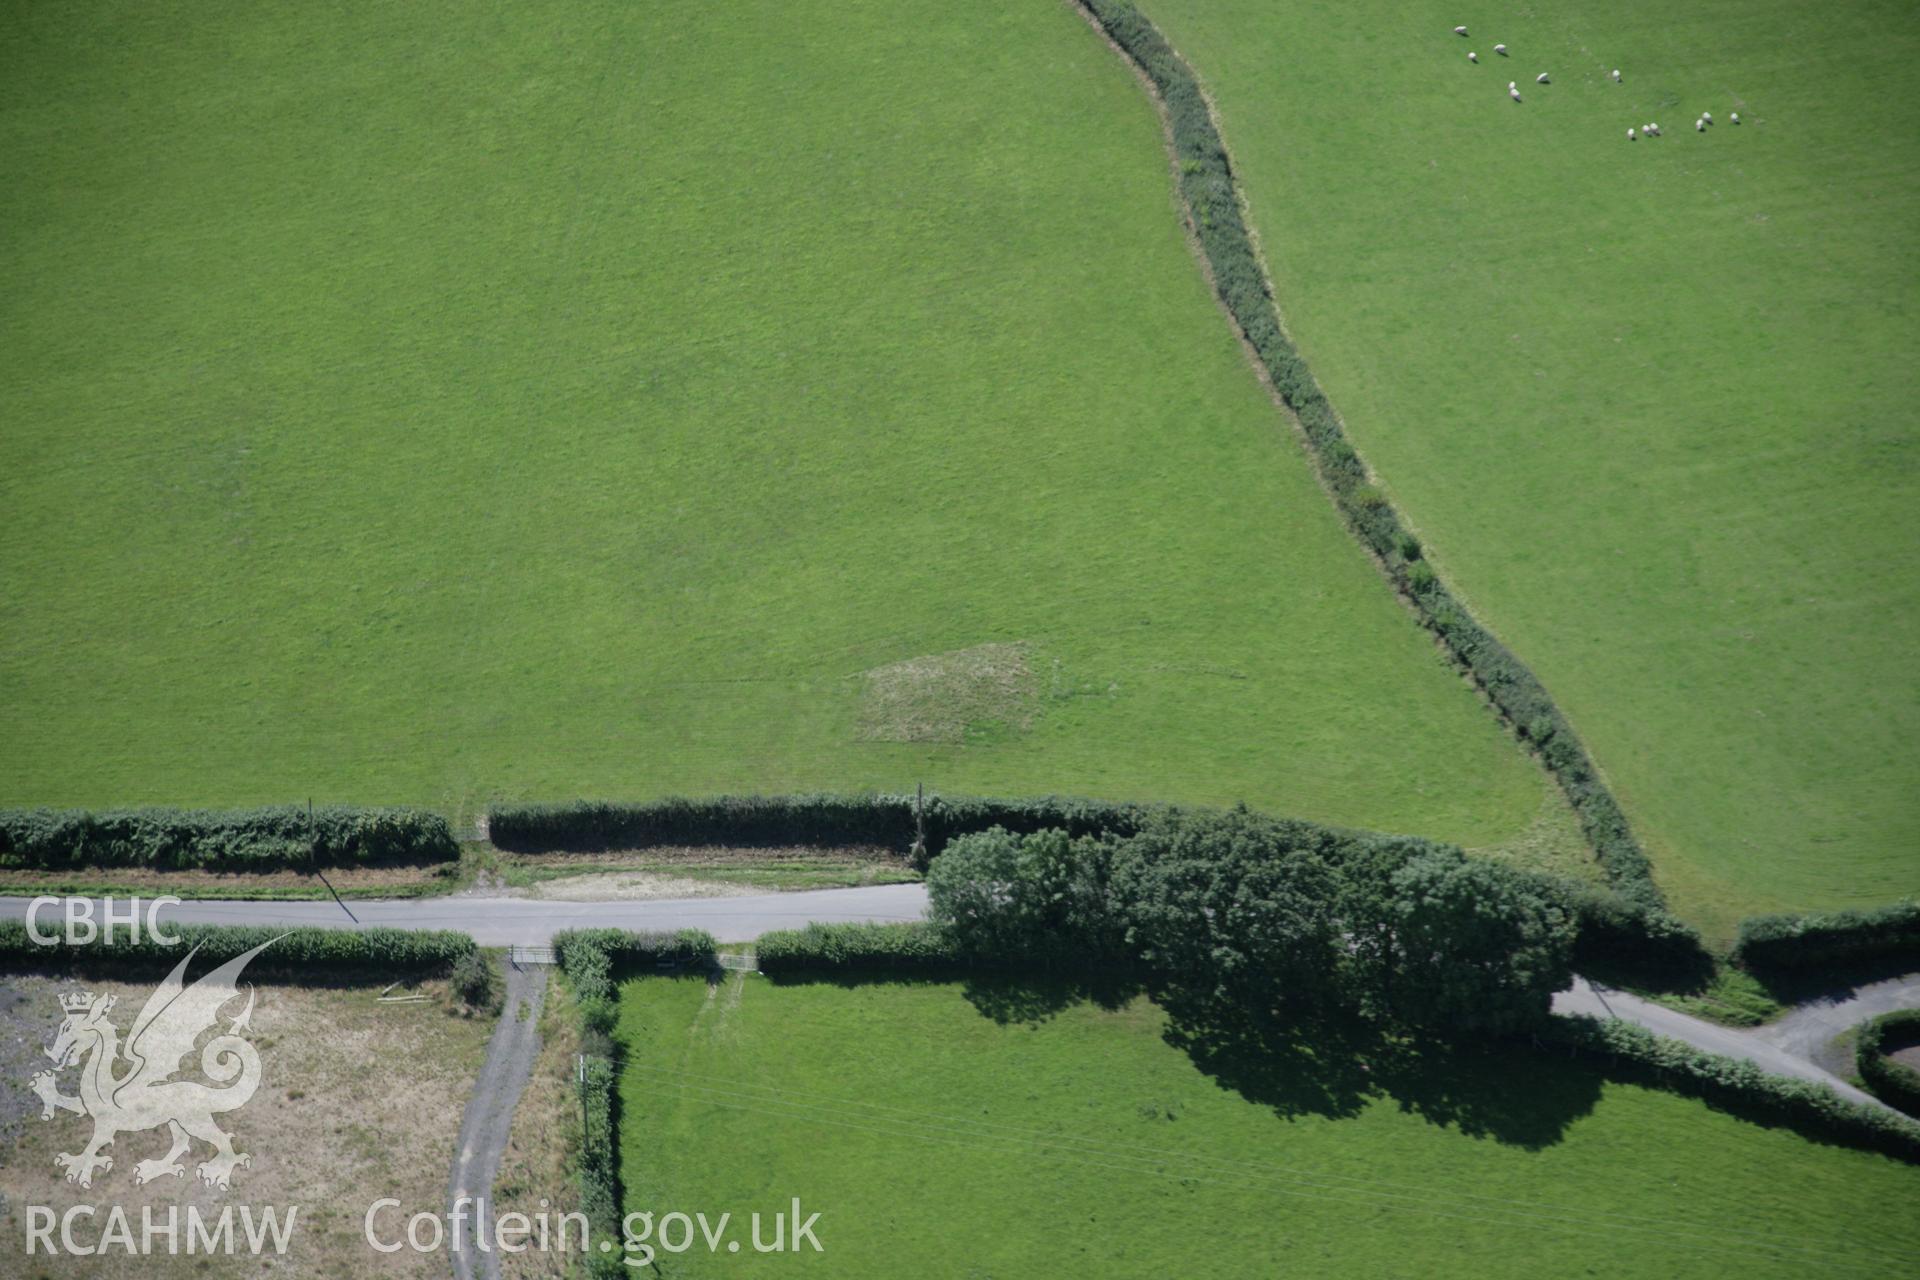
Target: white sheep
[[1735, 117], [1707, 116], [1700, 125], [1459, 31], [1472, 57], [1616, 75], [1514, 94], [1500, 49], [1631, 135], [1654, 129], [1541, 78]]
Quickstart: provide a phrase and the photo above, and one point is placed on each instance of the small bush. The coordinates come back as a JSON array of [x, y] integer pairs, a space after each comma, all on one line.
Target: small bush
[[475, 981]]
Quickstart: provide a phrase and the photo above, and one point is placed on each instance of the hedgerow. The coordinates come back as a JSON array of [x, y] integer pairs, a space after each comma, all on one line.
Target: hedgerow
[[594, 960], [904, 823], [599, 1165], [295, 953], [1735, 1084], [917, 947], [1894, 1083], [1787, 942], [1208, 187], [230, 840]]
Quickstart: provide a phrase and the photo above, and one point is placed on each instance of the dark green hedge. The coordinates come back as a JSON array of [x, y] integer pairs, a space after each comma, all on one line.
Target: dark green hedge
[[1894, 1083], [918, 947], [1622, 940], [236, 840], [599, 1166], [1781, 943], [1212, 198], [896, 822], [594, 960], [1736, 1085], [299, 953]]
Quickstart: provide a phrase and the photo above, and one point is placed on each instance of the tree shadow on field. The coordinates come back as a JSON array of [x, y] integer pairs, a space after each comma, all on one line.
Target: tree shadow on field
[[1011, 1001], [1330, 1065], [1337, 1066]]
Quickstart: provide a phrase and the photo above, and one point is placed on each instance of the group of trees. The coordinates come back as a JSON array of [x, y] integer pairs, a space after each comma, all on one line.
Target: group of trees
[[1267, 918]]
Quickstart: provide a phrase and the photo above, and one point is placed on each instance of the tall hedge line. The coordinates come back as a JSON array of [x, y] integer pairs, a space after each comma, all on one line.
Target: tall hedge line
[[825, 948], [298, 953], [234, 840], [899, 822], [594, 960], [1212, 198], [599, 1166], [1894, 1083], [1736, 1084], [1789, 942]]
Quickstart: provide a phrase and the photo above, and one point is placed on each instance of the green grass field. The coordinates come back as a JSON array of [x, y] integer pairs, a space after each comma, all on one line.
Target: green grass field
[[937, 1141], [1653, 403], [420, 404]]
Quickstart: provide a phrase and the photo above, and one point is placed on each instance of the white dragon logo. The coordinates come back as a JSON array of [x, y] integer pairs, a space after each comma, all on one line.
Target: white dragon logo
[[143, 1096]]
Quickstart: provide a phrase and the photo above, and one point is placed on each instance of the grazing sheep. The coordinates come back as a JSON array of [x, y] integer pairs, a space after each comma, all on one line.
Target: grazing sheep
[[1631, 135], [1472, 57], [1653, 129], [1459, 31], [1707, 116], [1735, 117], [1541, 78], [1616, 75], [1700, 125], [1514, 94], [1500, 49]]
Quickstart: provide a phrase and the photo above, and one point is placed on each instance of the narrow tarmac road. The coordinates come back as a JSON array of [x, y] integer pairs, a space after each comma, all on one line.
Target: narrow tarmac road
[[1733, 1042], [489, 1120]]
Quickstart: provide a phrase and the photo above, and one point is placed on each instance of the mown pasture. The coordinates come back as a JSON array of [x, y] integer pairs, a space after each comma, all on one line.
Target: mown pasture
[[944, 1129], [1650, 403], [421, 404]]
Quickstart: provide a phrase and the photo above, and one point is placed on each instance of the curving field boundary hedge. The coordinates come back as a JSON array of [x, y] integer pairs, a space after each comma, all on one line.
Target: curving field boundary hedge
[[266, 839], [1894, 1083], [1212, 198], [1736, 1085]]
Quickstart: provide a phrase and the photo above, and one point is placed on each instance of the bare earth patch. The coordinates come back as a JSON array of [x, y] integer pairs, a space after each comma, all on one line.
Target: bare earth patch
[[939, 697], [358, 1100]]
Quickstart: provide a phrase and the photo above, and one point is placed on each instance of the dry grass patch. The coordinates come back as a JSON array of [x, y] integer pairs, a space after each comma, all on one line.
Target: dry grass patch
[[404, 881], [357, 1100], [941, 696], [538, 1170]]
